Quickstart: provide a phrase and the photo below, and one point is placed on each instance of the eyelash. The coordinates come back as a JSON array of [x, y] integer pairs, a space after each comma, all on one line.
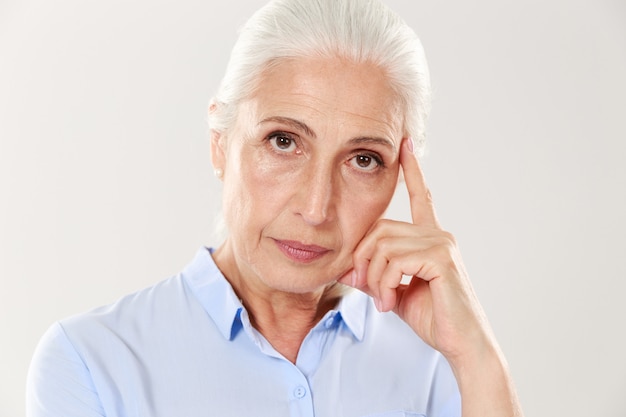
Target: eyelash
[[273, 137], [373, 156]]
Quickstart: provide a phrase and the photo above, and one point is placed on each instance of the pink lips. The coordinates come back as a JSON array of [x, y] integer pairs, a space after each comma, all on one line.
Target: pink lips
[[299, 252]]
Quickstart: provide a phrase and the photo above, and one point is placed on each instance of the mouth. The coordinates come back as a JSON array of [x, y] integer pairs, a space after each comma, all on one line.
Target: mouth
[[300, 252]]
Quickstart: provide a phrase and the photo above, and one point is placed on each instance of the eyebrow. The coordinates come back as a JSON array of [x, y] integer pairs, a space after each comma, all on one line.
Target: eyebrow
[[296, 124], [375, 141]]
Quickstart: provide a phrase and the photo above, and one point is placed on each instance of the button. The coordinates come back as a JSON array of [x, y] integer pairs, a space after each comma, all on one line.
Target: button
[[299, 392], [330, 321]]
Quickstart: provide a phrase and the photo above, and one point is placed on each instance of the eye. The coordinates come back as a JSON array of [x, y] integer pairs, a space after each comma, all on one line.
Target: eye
[[282, 142], [366, 162]]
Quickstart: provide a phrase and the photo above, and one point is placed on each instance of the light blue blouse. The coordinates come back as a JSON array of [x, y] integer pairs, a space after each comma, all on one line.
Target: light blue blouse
[[185, 348]]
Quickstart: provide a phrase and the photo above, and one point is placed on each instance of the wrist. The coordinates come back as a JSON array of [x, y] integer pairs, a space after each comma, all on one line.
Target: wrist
[[485, 384]]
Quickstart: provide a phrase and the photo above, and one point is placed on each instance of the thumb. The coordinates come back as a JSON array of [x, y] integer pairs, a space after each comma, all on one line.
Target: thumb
[[350, 279]]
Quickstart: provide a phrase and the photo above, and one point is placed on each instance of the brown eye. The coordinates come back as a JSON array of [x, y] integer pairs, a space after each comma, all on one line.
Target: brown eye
[[282, 143], [364, 162]]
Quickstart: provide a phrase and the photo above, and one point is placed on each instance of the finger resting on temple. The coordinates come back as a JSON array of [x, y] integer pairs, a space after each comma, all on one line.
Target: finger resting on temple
[[422, 208]]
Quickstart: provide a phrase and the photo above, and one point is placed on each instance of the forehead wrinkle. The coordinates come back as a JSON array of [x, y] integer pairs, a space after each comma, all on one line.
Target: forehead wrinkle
[[291, 122], [381, 127], [374, 140], [389, 127], [363, 139]]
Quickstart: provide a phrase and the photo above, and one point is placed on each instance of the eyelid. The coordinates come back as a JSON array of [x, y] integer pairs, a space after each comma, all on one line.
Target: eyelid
[[291, 136], [376, 157], [372, 154]]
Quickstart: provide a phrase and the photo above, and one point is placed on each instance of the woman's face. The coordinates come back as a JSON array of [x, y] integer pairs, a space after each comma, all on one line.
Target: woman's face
[[310, 165]]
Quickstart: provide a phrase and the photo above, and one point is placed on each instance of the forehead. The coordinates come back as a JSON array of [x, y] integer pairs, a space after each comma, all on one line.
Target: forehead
[[328, 93]]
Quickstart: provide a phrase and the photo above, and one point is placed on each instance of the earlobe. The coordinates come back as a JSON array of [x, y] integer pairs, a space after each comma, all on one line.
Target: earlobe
[[218, 155]]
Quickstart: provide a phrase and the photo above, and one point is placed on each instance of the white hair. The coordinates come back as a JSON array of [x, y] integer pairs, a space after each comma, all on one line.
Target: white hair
[[359, 30]]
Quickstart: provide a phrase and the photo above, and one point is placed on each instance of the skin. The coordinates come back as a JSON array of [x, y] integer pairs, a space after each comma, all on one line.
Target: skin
[[313, 159], [306, 192]]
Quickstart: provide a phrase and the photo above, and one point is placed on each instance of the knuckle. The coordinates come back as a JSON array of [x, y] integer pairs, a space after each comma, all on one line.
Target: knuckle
[[395, 268], [444, 256], [441, 252], [357, 253], [381, 225], [383, 245], [447, 239], [444, 249]]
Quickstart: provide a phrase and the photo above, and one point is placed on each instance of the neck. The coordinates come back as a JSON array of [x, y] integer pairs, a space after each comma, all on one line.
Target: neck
[[283, 318]]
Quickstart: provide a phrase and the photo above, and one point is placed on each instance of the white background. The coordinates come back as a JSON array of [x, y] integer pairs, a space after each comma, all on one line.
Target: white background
[[106, 185]]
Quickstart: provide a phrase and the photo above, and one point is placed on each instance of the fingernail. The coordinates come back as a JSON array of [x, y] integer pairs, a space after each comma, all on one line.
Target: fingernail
[[410, 144], [378, 305], [353, 279]]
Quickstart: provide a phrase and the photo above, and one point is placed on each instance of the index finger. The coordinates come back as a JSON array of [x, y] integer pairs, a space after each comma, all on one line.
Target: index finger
[[422, 208]]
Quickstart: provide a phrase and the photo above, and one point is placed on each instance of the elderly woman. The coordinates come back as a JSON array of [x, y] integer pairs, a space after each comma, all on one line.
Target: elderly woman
[[322, 106]]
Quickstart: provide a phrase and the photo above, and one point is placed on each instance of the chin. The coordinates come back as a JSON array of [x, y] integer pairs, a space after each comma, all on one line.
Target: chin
[[297, 280]]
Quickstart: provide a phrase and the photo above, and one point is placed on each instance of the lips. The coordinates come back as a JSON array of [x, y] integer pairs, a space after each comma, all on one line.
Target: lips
[[299, 252]]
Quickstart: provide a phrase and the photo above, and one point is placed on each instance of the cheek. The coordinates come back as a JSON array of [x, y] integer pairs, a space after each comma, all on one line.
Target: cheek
[[266, 176], [256, 186], [364, 207]]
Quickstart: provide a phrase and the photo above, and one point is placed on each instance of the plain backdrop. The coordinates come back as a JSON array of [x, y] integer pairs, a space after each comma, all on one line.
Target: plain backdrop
[[106, 185]]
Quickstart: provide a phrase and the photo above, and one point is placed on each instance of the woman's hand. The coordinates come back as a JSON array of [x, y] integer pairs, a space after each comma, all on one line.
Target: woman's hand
[[439, 302]]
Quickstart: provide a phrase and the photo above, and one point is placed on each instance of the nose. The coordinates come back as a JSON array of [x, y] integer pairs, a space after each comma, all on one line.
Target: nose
[[316, 196]]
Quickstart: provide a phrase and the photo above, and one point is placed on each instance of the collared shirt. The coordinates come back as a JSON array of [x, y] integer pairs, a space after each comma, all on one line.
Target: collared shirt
[[185, 348]]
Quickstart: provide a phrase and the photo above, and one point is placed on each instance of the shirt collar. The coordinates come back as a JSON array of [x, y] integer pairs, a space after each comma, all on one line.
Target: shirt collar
[[353, 309], [219, 300], [214, 292]]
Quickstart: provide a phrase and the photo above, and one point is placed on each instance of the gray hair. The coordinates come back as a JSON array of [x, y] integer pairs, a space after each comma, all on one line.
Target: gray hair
[[359, 30]]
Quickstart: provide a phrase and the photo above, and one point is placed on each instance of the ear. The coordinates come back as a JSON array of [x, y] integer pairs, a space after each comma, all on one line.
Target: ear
[[218, 152]]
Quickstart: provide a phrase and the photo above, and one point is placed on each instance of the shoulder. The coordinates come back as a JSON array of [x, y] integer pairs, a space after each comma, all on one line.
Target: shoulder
[[130, 311], [98, 359], [59, 382]]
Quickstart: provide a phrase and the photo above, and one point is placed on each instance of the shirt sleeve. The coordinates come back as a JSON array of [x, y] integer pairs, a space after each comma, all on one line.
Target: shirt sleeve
[[59, 383], [445, 395]]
